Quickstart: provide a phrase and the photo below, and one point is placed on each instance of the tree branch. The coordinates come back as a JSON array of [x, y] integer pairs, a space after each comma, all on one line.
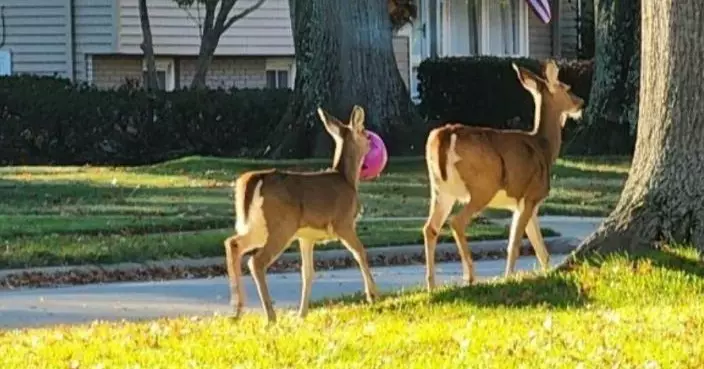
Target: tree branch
[[4, 30], [209, 16], [225, 8], [195, 20], [243, 14]]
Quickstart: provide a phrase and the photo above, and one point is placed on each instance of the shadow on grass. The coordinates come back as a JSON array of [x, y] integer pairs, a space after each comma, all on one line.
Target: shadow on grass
[[530, 290], [674, 260], [687, 260]]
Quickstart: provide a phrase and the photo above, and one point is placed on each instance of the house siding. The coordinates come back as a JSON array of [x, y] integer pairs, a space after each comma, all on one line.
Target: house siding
[[113, 71], [94, 33], [38, 36], [568, 28], [226, 72], [541, 36], [401, 46], [266, 31]]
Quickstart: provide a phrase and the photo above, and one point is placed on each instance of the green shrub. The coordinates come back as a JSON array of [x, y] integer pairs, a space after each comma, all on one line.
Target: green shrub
[[484, 91], [45, 120]]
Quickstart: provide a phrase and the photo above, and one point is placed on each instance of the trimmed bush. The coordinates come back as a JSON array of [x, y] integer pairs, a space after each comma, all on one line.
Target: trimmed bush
[[484, 91], [44, 120]]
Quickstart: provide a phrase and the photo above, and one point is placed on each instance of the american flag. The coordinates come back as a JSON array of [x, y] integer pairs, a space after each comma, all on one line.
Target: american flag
[[541, 8]]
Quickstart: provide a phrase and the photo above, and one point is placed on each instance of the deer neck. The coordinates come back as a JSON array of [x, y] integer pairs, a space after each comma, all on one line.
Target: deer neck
[[550, 130], [348, 164]]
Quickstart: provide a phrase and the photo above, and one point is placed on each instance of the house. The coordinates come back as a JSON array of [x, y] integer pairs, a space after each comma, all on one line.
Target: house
[[490, 27], [98, 41]]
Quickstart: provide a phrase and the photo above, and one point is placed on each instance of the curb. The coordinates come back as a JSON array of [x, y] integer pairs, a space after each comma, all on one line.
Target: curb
[[287, 262]]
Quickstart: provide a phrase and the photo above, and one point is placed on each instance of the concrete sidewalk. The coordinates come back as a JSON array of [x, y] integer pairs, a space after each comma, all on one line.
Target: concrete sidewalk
[[572, 230], [151, 300], [204, 296]]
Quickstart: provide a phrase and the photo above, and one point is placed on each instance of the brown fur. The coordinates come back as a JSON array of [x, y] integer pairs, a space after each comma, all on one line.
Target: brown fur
[[505, 169], [279, 206]]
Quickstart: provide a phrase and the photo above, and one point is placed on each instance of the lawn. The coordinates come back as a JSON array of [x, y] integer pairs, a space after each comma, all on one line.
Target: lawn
[[643, 311], [73, 215]]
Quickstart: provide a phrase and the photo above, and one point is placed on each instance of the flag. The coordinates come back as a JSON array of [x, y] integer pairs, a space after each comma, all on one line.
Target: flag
[[541, 8]]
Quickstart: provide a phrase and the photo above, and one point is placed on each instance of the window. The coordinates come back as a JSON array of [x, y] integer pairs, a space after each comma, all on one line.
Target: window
[[164, 73], [503, 22], [277, 79], [280, 72]]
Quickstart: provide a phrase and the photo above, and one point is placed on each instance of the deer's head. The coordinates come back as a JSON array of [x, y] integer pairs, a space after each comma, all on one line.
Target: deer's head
[[550, 93], [351, 142]]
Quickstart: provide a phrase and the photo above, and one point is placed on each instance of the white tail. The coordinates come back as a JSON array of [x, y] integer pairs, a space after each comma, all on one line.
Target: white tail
[[503, 169], [275, 207]]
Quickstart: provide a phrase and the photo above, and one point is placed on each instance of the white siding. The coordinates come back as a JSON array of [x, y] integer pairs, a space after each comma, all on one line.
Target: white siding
[[266, 31], [568, 28], [44, 40], [38, 36], [540, 37], [94, 32]]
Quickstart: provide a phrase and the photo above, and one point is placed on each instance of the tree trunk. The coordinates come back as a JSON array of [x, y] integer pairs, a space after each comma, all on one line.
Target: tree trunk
[[344, 56], [663, 198], [148, 47], [612, 113], [208, 44]]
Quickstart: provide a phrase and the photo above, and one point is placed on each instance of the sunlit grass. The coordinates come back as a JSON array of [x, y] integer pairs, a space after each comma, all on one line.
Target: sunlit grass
[[195, 194], [643, 311]]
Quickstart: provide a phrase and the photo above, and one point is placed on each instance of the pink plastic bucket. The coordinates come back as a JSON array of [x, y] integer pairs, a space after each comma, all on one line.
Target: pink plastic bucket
[[375, 160]]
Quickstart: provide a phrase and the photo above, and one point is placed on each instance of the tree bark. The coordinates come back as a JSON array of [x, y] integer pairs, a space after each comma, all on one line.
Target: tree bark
[[208, 44], [612, 113], [663, 198], [344, 56], [147, 47]]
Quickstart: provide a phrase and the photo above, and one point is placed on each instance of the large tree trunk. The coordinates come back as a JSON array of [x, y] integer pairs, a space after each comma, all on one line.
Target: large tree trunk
[[663, 198], [612, 112], [147, 46], [344, 56]]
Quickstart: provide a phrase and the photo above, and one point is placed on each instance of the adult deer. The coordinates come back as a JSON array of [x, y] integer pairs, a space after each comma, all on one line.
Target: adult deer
[[500, 169], [274, 207]]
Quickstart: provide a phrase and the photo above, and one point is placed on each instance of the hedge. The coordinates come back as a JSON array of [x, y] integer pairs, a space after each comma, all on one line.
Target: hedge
[[45, 120], [484, 91]]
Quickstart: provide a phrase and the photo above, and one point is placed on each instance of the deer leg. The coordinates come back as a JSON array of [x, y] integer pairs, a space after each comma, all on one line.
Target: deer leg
[[307, 274], [536, 239], [348, 237], [440, 207], [459, 224], [261, 260], [518, 226], [235, 247]]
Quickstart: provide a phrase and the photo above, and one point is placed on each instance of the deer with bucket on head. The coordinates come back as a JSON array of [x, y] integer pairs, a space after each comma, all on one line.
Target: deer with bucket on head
[[501, 169], [275, 207]]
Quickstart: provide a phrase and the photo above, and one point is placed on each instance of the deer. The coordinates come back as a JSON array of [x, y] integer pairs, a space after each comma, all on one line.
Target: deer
[[275, 207], [481, 168]]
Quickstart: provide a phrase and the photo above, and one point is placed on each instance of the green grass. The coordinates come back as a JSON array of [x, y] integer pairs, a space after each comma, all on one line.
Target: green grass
[[81, 248], [59, 213], [644, 311]]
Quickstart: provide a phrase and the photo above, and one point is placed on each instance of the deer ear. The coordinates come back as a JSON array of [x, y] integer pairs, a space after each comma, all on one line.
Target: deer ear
[[357, 118], [332, 125], [551, 71], [528, 79]]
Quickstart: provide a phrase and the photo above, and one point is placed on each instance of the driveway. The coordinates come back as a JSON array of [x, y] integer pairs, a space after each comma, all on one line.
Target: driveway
[[149, 300]]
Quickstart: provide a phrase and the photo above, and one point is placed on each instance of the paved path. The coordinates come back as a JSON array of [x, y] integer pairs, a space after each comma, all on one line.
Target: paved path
[[568, 226], [80, 304]]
